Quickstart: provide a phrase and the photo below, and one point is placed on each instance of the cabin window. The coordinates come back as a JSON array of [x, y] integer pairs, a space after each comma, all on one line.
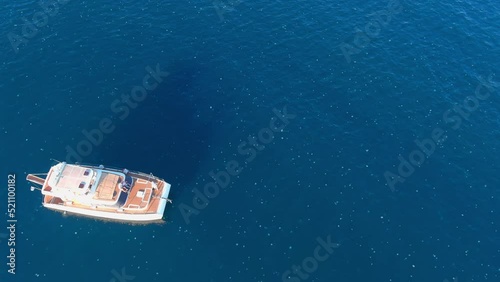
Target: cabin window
[[87, 172], [82, 184]]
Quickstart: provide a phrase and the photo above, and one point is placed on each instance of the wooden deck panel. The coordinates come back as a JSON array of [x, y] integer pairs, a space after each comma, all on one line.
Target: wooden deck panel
[[133, 199], [107, 187]]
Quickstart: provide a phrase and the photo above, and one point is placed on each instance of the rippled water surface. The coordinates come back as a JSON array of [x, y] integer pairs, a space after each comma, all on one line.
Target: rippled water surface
[[377, 95]]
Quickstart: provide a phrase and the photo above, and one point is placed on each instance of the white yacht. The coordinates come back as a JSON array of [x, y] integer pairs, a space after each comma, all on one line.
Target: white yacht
[[102, 192]]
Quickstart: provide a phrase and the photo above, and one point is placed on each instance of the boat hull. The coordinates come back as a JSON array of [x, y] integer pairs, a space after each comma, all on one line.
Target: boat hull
[[107, 215]]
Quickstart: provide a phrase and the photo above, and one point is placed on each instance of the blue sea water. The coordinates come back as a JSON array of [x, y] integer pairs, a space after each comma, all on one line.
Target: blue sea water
[[409, 67]]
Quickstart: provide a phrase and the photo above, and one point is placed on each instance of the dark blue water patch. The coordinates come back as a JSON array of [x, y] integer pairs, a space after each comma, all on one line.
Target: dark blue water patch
[[166, 134]]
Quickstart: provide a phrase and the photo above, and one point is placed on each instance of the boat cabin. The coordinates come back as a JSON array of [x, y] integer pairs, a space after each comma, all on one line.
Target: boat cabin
[[84, 185]]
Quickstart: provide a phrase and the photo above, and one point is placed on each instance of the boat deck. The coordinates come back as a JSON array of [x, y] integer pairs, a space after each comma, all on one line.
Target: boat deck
[[142, 198], [103, 192]]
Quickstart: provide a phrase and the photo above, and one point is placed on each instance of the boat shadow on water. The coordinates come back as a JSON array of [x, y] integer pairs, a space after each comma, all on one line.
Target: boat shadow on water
[[167, 134]]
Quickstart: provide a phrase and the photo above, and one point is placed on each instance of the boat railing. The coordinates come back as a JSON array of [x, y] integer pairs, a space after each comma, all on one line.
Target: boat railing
[[117, 169]]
